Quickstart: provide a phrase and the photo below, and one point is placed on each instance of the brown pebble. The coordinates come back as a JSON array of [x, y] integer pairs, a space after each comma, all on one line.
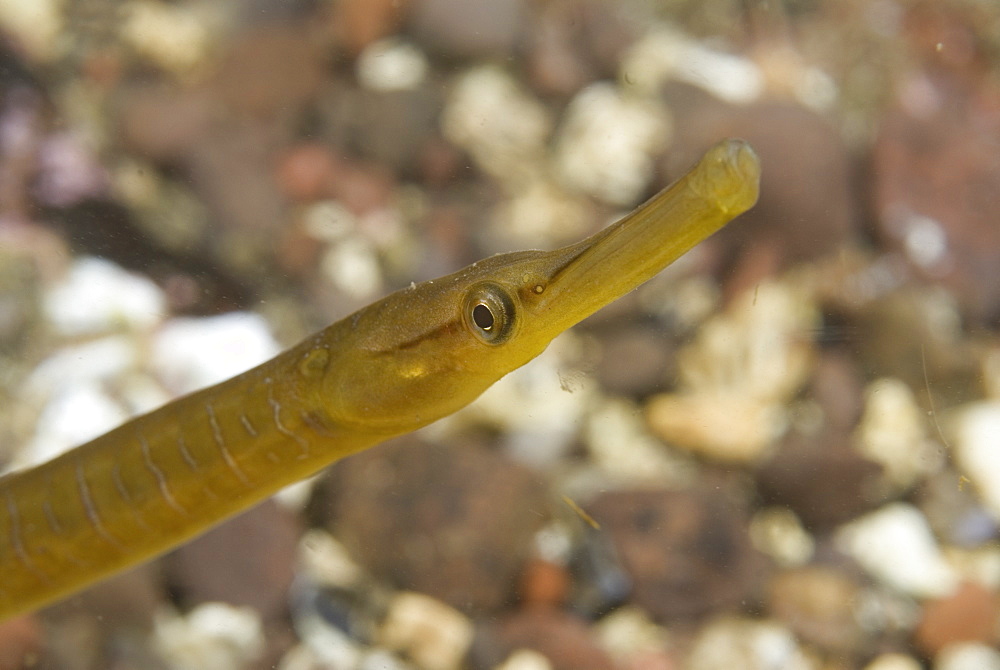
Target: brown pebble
[[248, 560], [936, 182], [970, 614], [687, 552], [821, 478], [467, 28], [837, 388], [635, 360], [456, 523], [21, 643], [807, 207], [358, 23], [269, 70], [162, 122], [572, 43], [818, 604], [566, 641]]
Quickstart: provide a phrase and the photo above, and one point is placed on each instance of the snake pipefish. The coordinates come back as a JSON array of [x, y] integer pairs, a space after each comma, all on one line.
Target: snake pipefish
[[413, 357]]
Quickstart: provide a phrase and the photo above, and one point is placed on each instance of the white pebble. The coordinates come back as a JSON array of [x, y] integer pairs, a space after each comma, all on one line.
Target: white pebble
[[391, 65], [213, 635], [190, 353], [433, 634], [893, 432], [740, 373], [171, 35], [968, 656], [97, 296], [747, 644], [607, 143], [621, 446], [490, 115], [976, 428], [777, 532], [894, 662], [665, 54], [895, 545], [525, 659], [35, 24]]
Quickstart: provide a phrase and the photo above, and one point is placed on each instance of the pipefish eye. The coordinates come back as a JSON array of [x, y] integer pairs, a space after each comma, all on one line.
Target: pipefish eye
[[489, 313]]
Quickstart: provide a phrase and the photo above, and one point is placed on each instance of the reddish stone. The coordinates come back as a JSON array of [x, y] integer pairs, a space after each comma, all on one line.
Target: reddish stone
[[21, 643], [358, 23], [543, 583], [304, 171], [936, 185], [970, 614]]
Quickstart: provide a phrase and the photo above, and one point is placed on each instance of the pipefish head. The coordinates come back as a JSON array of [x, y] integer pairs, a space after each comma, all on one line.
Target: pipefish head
[[423, 352]]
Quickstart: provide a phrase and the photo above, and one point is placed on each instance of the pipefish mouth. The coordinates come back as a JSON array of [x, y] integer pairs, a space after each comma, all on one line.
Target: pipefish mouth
[[398, 364]]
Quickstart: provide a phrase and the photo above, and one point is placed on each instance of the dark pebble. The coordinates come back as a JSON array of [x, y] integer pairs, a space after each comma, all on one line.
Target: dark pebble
[[456, 523], [821, 478], [248, 560], [468, 28], [635, 360], [687, 552]]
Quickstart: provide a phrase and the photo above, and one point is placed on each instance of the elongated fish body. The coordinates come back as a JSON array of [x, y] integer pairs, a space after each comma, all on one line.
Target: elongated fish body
[[411, 358]]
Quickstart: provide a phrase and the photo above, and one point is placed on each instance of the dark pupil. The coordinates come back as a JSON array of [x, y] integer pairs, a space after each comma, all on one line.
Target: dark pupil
[[483, 317]]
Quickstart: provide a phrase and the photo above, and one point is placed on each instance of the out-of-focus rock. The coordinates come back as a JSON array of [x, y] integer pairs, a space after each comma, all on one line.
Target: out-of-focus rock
[[878, 540], [970, 614], [894, 433], [358, 23], [543, 583], [738, 375], [807, 208], [976, 428], [936, 182], [468, 28], [432, 634], [566, 641], [821, 478], [213, 635], [748, 644], [269, 71], [688, 553], [819, 605], [21, 643], [454, 522], [968, 656], [248, 561]]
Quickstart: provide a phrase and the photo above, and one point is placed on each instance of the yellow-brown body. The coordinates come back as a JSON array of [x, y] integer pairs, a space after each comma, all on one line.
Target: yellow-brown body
[[411, 358]]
